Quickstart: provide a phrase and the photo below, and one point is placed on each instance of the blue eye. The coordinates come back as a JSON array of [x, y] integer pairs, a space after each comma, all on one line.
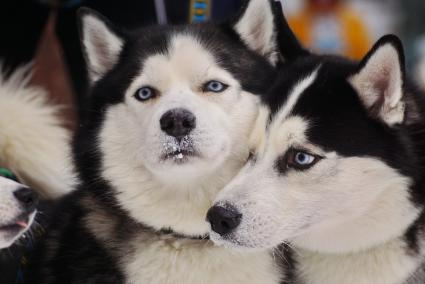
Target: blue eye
[[144, 94], [303, 159], [300, 159], [214, 86]]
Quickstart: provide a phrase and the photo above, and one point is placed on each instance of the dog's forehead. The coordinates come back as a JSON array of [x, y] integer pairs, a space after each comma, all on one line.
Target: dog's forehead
[[195, 48], [316, 93], [320, 95], [186, 60]]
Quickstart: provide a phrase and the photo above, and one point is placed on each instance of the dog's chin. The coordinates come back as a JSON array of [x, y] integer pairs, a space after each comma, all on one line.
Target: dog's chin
[[234, 243], [13, 230], [187, 162]]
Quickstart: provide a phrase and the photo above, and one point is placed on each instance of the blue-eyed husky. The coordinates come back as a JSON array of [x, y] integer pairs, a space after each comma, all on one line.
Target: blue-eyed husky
[[166, 127], [338, 172]]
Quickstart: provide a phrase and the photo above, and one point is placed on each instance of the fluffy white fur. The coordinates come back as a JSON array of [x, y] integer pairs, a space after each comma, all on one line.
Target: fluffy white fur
[[10, 211], [389, 263], [33, 143], [160, 262]]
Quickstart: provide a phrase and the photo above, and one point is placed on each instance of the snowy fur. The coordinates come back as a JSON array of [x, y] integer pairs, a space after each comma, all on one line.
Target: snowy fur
[[33, 143]]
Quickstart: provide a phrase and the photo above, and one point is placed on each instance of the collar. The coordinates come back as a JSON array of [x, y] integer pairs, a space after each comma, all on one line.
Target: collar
[[8, 174]]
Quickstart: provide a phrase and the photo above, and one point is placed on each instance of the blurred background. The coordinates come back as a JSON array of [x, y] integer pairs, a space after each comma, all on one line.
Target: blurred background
[[45, 33]]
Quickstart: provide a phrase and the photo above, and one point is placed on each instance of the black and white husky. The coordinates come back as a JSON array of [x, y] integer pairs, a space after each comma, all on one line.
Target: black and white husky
[[166, 127], [338, 172]]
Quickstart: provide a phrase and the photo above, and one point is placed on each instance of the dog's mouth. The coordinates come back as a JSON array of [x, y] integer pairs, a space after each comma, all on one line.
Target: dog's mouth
[[178, 150], [18, 225]]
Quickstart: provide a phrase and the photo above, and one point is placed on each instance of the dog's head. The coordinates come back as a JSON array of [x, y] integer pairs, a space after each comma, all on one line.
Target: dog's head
[[333, 165], [172, 107], [17, 209]]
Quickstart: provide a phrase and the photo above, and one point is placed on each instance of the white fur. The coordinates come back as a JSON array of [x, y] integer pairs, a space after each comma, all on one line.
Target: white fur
[[167, 261], [33, 143], [389, 263], [101, 44], [381, 80], [257, 28], [339, 199], [10, 210]]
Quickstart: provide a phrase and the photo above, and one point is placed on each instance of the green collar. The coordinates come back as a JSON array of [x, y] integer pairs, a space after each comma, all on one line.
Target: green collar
[[7, 174]]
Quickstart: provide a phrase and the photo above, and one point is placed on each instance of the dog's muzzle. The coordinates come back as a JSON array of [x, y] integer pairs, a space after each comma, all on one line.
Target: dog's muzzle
[[224, 219]]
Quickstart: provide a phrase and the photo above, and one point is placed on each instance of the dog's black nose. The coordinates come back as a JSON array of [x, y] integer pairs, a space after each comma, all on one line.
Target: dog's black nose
[[223, 219], [27, 197], [178, 122]]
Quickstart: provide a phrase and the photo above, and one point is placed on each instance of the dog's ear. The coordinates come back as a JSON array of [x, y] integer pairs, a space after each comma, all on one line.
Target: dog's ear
[[101, 43], [379, 80], [256, 26], [288, 44]]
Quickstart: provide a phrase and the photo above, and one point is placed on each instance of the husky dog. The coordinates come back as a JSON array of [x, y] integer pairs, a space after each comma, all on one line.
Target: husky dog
[[338, 172], [166, 127]]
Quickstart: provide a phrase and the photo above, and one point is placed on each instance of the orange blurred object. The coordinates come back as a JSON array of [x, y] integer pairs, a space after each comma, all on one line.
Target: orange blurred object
[[328, 26]]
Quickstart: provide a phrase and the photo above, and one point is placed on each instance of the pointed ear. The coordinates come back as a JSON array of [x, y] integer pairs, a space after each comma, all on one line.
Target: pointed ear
[[101, 43], [289, 46], [257, 28], [380, 78]]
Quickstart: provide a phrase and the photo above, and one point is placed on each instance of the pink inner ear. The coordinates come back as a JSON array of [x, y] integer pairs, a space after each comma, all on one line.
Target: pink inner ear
[[379, 84], [103, 52]]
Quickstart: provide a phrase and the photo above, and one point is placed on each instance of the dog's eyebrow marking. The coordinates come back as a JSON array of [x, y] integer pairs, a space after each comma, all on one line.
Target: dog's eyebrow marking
[[295, 94]]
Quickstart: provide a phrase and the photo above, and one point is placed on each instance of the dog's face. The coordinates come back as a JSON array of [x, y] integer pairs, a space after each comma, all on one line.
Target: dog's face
[[172, 107], [332, 168], [17, 210], [182, 116]]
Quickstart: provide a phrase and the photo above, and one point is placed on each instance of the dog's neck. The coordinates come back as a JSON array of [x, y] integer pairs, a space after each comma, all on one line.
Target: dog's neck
[[371, 249], [388, 218], [388, 263], [393, 261]]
